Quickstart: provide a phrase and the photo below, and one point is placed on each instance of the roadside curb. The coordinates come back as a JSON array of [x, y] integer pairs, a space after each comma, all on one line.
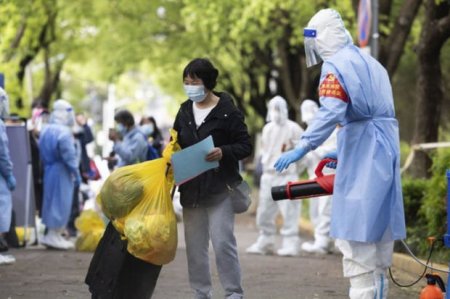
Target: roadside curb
[[406, 263]]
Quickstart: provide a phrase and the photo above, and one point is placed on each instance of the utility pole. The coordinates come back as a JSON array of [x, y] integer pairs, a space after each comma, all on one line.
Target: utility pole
[[374, 41]]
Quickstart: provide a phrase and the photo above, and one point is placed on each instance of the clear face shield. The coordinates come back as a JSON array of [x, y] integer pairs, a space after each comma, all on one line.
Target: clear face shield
[[311, 53]]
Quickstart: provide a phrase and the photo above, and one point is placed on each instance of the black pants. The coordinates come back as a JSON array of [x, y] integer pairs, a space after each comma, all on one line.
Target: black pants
[[115, 274], [74, 212]]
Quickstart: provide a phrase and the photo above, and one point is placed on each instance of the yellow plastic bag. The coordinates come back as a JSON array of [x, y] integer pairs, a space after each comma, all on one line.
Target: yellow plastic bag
[[121, 192], [151, 228], [124, 188], [89, 242], [172, 147], [91, 228], [20, 232], [148, 220]]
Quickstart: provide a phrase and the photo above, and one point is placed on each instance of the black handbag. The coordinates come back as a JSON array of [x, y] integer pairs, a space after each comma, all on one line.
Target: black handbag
[[240, 197]]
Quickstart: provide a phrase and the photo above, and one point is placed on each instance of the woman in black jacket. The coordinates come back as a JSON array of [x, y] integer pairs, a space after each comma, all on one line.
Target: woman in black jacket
[[207, 209]]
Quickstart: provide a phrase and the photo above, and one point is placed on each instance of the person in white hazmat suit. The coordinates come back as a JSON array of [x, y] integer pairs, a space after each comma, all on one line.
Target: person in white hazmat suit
[[7, 179], [367, 211], [61, 174], [319, 207], [279, 134]]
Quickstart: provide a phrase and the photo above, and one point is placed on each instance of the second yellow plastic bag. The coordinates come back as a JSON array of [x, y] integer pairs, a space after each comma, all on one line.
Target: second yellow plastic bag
[[91, 228]]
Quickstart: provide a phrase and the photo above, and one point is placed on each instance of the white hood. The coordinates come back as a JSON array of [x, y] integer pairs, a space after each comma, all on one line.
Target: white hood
[[331, 33], [308, 110], [277, 110], [62, 113]]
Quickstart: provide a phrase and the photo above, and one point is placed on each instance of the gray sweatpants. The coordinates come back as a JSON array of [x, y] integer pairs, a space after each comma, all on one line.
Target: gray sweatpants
[[215, 223]]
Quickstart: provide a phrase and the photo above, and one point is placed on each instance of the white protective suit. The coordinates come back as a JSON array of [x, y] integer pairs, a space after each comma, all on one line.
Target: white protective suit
[[279, 135], [367, 210], [319, 207]]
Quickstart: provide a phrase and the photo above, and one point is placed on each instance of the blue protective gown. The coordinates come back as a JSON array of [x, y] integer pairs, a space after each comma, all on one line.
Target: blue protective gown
[[367, 199], [133, 148], [59, 157], [5, 171]]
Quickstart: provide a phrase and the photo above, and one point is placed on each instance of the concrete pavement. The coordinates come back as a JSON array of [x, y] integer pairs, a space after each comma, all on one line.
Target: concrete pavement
[[43, 274]]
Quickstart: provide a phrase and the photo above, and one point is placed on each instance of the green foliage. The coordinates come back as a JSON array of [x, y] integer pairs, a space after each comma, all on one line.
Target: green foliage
[[425, 207], [413, 195], [434, 207], [102, 40]]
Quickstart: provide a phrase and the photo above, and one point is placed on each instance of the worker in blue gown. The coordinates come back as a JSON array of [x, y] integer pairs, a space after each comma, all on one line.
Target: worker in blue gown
[[61, 174], [7, 179], [367, 210], [130, 143]]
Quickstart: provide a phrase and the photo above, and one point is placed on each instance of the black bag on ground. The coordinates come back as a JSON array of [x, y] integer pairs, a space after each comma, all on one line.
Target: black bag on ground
[[11, 236], [116, 274]]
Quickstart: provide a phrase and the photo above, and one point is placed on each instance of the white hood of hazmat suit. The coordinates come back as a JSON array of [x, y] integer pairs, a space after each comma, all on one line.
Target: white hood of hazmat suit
[[325, 35], [308, 110], [62, 114], [277, 110]]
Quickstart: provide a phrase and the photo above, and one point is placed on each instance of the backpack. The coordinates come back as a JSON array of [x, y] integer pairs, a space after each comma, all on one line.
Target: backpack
[[152, 153]]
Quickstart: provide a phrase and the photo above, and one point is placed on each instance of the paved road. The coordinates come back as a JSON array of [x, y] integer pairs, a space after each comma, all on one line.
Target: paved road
[[44, 274]]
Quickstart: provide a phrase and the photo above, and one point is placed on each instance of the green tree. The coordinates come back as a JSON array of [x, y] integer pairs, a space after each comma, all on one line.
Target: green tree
[[435, 32], [37, 40]]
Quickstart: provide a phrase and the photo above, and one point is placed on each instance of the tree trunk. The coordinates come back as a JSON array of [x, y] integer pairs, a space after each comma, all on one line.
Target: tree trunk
[[17, 39], [51, 81], [435, 31], [393, 46]]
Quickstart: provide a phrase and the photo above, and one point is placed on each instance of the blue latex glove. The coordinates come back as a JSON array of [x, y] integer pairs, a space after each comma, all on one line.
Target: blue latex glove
[[289, 157], [331, 155], [11, 182]]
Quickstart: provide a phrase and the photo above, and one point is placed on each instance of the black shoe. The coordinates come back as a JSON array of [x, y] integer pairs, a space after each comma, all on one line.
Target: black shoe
[[3, 244]]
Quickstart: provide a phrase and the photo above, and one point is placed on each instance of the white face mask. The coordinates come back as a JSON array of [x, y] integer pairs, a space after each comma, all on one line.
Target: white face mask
[[196, 93], [121, 129], [147, 129]]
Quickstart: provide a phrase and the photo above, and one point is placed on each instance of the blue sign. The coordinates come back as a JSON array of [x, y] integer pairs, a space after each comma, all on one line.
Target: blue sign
[[364, 22]]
